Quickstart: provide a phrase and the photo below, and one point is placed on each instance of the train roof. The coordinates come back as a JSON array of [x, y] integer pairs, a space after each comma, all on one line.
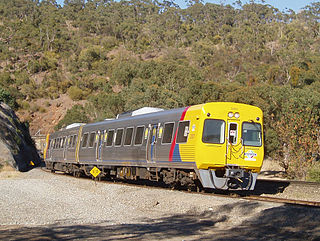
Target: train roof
[[141, 114], [138, 117]]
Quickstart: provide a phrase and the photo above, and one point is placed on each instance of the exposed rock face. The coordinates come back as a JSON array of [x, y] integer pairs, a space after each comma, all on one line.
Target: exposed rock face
[[16, 145]]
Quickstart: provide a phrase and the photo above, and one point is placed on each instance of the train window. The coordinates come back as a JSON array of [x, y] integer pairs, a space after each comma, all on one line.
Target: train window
[[167, 133], [183, 131], [251, 134], [128, 137], [56, 143], [74, 140], [63, 142], [85, 139], [213, 131], [91, 139], [119, 137], [105, 135], [233, 133], [139, 135], [110, 138], [52, 144]]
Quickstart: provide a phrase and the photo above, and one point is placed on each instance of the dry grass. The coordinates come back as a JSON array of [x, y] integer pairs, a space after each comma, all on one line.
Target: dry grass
[[7, 171]]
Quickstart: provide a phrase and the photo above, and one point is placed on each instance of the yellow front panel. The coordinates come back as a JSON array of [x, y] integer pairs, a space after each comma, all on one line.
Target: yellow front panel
[[213, 156]]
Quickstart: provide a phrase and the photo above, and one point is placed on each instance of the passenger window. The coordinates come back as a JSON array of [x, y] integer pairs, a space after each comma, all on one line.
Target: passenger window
[[91, 139], [119, 137], [139, 135], [110, 138], [74, 140], [56, 144], [85, 139], [59, 143], [128, 137], [251, 134], [69, 141], [213, 131], [167, 133], [62, 142], [183, 131]]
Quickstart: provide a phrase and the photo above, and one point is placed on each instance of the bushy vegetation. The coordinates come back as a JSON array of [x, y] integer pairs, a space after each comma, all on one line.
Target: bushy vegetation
[[119, 56], [7, 98]]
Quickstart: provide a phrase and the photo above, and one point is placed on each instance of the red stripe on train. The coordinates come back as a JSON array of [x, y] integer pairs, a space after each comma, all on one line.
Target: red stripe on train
[[175, 136]]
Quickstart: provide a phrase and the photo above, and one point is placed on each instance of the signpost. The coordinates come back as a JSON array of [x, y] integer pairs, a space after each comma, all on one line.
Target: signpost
[[95, 172]]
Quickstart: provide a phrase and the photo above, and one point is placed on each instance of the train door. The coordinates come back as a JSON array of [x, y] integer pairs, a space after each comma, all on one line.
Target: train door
[[151, 143], [234, 146], [99, 145]]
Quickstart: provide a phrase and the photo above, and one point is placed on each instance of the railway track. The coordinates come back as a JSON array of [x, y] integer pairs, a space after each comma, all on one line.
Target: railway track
[[282, 200], [263, 185]]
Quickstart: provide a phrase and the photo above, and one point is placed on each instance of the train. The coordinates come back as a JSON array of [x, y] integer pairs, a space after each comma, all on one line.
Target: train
[[216, 145]]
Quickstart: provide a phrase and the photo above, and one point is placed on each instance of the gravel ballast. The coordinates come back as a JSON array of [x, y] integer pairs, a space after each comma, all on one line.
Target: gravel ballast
[[41, 205]]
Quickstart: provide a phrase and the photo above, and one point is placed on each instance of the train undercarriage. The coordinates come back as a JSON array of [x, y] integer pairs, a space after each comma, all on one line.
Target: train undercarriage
[[189, 179]]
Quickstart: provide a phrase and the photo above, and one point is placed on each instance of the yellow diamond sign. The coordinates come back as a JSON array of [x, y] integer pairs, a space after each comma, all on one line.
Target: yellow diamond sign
[[95, 171]]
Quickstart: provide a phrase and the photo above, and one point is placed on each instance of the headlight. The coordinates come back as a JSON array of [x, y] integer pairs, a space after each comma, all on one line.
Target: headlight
[[237, 115], [230, 114]]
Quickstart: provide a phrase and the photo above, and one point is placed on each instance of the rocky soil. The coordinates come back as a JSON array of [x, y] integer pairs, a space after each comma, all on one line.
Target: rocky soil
[[39, 205]]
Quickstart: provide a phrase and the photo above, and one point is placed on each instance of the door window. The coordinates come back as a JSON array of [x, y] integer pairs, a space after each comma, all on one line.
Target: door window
[[233, 133]]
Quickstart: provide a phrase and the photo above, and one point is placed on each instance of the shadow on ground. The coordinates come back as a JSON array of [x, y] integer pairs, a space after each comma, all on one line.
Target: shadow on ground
[[277, 223], [269, 187]]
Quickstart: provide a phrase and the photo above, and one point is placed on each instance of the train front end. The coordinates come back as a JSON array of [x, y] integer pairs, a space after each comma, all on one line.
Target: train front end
[[230, 151]]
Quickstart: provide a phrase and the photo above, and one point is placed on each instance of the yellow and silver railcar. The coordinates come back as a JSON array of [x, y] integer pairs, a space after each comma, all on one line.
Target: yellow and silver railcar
[[215, 145]]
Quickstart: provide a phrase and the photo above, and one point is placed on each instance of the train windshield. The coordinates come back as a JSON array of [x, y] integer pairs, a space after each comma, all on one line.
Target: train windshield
[[213, 131], [251, 134]]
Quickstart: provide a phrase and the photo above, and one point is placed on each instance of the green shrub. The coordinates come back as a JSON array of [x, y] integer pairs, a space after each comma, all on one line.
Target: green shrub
[[109, 43], [34, 66], [42, 109], [7, 98], [76, 93], [314, 174], [24, 105]]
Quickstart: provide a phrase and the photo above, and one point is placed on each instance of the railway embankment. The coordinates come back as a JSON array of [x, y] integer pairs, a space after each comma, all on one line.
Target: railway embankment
[[57, 207], [16, 146]]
